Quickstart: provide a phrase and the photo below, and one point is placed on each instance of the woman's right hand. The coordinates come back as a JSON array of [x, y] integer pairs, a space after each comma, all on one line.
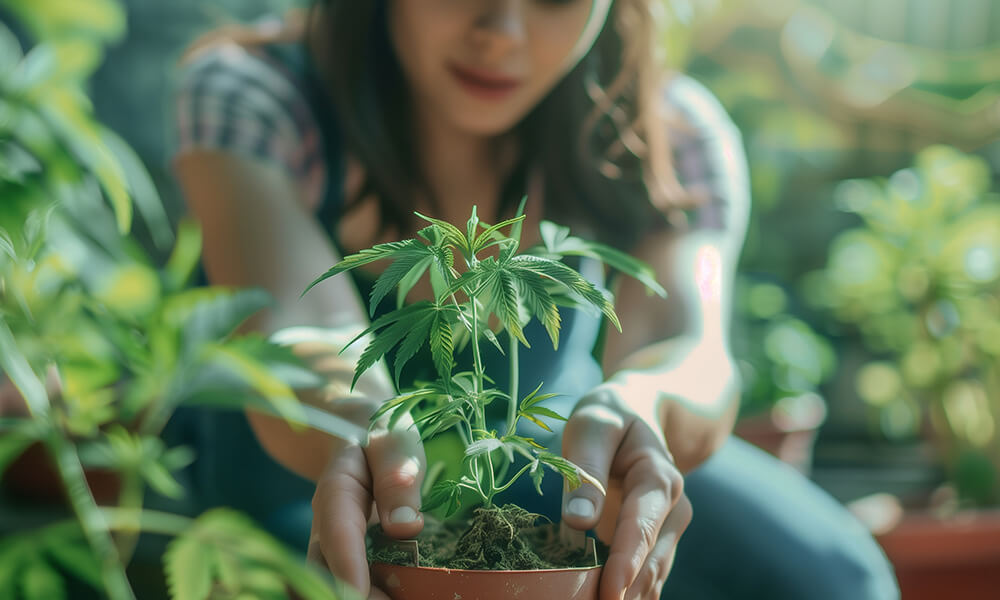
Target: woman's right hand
[[383, 479]]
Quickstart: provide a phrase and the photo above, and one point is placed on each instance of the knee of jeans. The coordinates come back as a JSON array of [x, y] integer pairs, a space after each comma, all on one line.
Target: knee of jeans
[[851, 570]]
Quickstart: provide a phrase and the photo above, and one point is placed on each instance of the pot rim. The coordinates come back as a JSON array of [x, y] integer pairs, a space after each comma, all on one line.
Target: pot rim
[[488, 571]]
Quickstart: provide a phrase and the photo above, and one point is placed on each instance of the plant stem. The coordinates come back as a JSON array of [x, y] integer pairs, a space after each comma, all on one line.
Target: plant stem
[[130, 499], [94, 525], [477, 362], [492, 479], [514, 478], [514, 376]]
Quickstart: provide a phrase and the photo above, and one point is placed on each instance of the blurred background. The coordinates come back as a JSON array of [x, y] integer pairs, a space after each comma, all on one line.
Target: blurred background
[[868, 306]]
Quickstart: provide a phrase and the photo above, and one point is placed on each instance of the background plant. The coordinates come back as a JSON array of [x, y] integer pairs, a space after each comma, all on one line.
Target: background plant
[[103, 343], [920, 279], [497, 283]]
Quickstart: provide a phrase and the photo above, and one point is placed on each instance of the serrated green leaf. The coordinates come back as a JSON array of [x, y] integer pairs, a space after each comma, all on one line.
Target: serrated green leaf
[[573, 281], [227, 570], [535, 296], [39, 581], [415, 338], [382, 343], [507, 303], [412, 277], [568, 470], [536, 421], [558, 241], [442, 346], [450, 234], [544, 412], [484, 238], [188, 568], [534, 397], [404, 261], [439, 426], [368, 255], [441, 493], [391, 404]]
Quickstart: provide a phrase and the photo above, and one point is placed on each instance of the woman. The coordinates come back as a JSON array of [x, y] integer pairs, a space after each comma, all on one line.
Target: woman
[[320, 139]]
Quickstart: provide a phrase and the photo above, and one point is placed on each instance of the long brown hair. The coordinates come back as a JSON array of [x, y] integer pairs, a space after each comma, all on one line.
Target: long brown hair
[[599, 136]]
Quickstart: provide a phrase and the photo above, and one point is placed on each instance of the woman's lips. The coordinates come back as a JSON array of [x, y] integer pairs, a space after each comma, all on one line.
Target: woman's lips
[[483, 84]]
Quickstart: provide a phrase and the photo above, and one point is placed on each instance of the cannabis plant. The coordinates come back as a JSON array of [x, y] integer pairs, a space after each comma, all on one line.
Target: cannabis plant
[[496, 284]]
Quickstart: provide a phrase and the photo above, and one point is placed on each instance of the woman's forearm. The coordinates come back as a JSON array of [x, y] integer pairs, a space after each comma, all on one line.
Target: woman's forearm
[[691, 388], [306, 451]]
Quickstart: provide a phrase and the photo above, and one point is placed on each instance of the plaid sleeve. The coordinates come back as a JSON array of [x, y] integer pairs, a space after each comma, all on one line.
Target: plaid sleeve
[[709, 158], [232, 99]]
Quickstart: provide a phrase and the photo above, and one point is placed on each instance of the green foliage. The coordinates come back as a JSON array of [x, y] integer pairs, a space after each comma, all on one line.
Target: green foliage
[[224, 555], [920, 279], [781, 357], [503, 287], [32, 566], [104, 344]]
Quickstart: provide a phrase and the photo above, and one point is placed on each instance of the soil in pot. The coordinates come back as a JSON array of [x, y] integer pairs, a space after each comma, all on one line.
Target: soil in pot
[[499, 554], [500, 538]]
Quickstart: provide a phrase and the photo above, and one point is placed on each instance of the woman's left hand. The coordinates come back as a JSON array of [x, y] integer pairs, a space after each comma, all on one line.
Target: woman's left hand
[[645, 511]]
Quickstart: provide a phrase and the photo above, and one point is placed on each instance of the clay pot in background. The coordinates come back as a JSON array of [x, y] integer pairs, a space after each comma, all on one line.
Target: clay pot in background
[[788, 430]]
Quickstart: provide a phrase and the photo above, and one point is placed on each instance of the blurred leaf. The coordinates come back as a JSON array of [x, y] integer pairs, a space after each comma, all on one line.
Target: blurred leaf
[[185, 256], [12, 445], [208, 314], [69, 550], [14, 364], [256, 375], [144, 194], [69, 116], [37, 67], [188, 569], [39, 581]]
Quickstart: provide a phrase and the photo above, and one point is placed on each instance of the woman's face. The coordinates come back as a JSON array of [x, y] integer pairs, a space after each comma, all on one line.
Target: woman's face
[[482, 65]]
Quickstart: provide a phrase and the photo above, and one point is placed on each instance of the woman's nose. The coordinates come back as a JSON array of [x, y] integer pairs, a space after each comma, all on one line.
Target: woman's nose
[[501, 26]]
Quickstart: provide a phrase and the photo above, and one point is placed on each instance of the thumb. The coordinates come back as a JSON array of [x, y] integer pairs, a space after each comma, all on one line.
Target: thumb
[[397, 463], [590, 439]]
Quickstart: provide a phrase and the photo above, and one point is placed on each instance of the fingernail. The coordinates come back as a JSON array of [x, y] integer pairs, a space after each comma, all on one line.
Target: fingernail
[[580, 507], [403, 514]]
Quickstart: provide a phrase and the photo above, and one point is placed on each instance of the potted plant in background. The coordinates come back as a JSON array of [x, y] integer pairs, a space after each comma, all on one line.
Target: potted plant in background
[[497, 288], [98, 346], [920, 279], [783, 364]]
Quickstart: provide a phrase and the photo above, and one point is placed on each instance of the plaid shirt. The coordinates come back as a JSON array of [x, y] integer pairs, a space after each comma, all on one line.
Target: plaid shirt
[[245, 102]]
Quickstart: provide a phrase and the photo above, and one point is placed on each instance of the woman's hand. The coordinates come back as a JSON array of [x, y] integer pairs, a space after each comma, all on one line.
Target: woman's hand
[[389, 472], [645, 511]]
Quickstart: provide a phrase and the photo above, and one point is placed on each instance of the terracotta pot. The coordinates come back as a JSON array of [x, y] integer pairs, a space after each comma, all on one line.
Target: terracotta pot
[[954, 557], [426, 583], [787, 431]]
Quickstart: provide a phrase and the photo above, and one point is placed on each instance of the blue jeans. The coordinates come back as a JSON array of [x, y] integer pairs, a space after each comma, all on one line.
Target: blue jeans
[[760, 530]]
